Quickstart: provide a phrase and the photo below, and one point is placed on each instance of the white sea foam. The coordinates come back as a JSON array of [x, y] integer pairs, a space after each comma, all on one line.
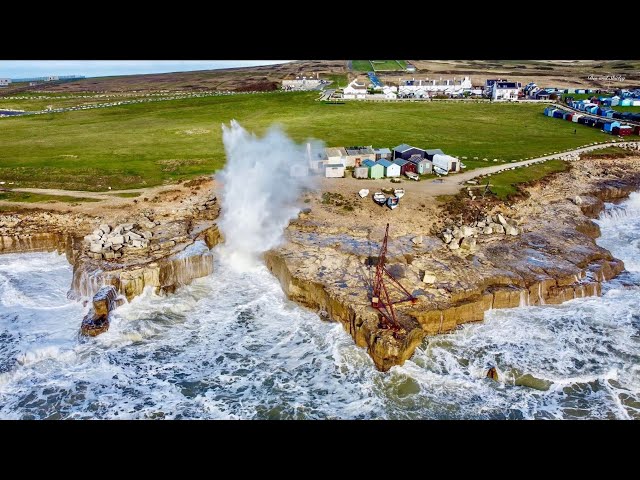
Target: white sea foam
[[260, 195], [231, 346]]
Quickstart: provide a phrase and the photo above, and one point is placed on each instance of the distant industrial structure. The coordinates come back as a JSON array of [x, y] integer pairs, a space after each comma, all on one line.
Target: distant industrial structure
[[5, 82], [48, 78]]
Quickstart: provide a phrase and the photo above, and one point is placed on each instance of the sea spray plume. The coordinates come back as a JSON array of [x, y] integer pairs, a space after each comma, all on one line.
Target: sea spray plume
[[259, 195]]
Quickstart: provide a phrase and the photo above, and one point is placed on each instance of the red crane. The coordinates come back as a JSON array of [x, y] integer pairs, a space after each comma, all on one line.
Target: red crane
[[380, 299]]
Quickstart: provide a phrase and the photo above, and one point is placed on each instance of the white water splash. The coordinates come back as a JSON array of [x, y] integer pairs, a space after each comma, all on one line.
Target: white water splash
[[259, 196]]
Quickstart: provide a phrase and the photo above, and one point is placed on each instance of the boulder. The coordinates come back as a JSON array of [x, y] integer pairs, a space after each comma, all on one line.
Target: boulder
[[511, 230], [468, 231], [127, 226], [468, 243], [498, 228], [95, 247], [501, 219], [417, 240], [457, 233], [147, 234], [116, 247], [117, 230], [117, 239], [454, 245], [105, 228], [447, 237], [481, 224], [98, 233], [577, 200], [429, 278], [109, 255], [487, 230], [148, 224], [91, 238]]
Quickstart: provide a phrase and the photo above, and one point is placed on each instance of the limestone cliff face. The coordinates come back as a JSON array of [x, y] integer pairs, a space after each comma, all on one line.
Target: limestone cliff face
[[164, 274], [556, 259]]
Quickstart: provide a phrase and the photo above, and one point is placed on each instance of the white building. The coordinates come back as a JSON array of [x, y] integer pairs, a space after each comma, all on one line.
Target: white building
[[504, 91], [5, 82], [302, 84], [53, 78], [422, 88], [334, 170], [354, 90], [336, 155], [390, 92], [446, 162]]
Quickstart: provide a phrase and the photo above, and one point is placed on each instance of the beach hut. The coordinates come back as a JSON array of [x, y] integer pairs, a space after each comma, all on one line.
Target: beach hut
[[614, 101], [548, 111], [625, 130], [405, 166], [334, 170], [608, 127], [615, 131], [390, 169], [576, 117], [569, 117], [382, 153], [636, 130], [361, 172], [375, 169], [558, 114], [610, 113], [626, 102], [423, 166]]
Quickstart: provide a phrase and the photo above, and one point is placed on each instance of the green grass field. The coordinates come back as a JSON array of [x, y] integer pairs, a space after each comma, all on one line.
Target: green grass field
[[504, 184], [147, 144], [339, 80], [378, 65], [37, 197]]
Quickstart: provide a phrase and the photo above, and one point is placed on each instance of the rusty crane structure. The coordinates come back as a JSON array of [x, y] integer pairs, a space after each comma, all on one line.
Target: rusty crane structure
[[381, 298]]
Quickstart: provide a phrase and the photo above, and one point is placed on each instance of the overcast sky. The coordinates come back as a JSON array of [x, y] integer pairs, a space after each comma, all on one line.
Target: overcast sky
[[102, 68]]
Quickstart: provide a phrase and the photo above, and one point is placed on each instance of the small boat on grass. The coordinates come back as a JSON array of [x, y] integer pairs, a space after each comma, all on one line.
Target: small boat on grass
[[363, 193], [399, 192], [380, 198], [392, 202]]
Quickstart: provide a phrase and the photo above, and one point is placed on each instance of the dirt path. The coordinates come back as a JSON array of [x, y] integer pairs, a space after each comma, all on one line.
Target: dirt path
[[448, 185]]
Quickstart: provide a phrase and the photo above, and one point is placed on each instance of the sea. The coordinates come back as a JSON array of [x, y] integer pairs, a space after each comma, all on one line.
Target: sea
[[231, 346]]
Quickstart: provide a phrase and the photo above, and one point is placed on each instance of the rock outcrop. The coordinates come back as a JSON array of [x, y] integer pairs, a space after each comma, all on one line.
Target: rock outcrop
[[97, 320]]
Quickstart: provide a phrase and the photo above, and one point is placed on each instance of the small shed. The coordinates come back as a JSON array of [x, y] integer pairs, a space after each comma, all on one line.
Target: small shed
[[334, 170], [405, 166], [375, 169], [361, 172], [390, 169], [382, 153], [608, 127], [446, 162], [336, 155], [432, 152], [576, 117], [625, 130], [423, 166]]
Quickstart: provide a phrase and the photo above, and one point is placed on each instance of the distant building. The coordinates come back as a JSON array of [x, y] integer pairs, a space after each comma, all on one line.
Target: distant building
[[303, 84], [52, 78], [334, 170], [361, 172], [446, 162], [405, 151], [410, 68], [390, 169], [422, 88], [337, 155], [405, 166], [357, 155], [354, 90], [423, 166], [375, 169], [429, 154], [504, 90], [5, 82], [381, 153]]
